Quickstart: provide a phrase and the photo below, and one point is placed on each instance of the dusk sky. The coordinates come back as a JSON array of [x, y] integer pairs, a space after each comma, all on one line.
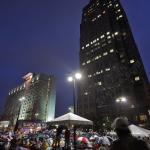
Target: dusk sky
[[42, 36]]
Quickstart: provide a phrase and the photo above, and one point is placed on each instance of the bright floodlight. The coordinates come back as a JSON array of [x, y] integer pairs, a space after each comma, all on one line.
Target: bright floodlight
[[70, 79], [78, 76]]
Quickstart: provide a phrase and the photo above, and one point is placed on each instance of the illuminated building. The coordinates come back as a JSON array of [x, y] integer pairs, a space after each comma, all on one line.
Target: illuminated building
[[33, 100], [115, 82]]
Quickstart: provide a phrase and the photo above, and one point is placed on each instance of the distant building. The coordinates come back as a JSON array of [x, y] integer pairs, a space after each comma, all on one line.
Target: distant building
[[33, 100], [115, 82]]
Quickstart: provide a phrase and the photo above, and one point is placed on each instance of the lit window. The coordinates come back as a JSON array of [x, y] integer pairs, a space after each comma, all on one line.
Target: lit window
[[111, 51], [108, 33], [94, 41], [86, 93], [91, 42], [120, 16], [83, 47], [109, 37], [88, 61], [117, 5], [96, 57], [104, 12], [87, 45], [143, 118], [104, 54], [132, 61], [37, 78], [83, 64], [89, 76], [102, 36], [99, 16], [97, 72], [137, 78], [107, 69], [93, 19], [119, 10], [101, 71], [97, 39], [99, 83], [116, 33]]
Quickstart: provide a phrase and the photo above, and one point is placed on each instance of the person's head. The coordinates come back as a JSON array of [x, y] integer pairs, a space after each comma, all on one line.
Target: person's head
[[120, 125]]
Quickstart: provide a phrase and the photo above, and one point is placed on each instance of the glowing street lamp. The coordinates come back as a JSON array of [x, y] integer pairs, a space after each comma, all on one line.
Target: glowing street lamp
[[121, 100], [73, 78]]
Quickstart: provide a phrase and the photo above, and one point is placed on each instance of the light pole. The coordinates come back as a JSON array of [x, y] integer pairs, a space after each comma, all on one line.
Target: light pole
[[73, 78], [21, 99], [121, 100]]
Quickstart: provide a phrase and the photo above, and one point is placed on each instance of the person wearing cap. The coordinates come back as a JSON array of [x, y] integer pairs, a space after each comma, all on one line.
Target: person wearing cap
[[125, 139]]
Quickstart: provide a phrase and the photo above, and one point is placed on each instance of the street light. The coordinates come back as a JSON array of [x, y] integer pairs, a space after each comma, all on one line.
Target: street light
[[21, 99], [73, 78], [121, 100]]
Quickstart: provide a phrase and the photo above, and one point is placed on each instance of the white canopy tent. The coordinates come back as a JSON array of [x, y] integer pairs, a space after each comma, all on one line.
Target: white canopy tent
[[138, 131], [71, 119]]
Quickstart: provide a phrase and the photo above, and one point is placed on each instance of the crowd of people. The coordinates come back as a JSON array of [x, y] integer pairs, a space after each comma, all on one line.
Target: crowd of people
[[61, 139]]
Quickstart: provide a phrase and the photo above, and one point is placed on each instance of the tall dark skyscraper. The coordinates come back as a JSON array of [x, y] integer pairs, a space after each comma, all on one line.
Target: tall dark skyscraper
[[115, 82]]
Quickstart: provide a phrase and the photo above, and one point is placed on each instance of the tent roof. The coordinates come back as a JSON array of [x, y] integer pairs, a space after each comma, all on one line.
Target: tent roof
[[71, 119], [138, 131]]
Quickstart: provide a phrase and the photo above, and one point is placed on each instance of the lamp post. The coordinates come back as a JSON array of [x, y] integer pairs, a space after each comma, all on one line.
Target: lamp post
[[21, 99], [73, 78], [121, 100]]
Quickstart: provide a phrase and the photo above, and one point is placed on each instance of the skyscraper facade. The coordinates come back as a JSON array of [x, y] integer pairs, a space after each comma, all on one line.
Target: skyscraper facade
[[115, 82], [33, 100]]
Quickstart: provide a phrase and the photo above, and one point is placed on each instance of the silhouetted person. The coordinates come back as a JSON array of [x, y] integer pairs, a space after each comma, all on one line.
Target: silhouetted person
[[67, 138], [125, 140], [58, 136]]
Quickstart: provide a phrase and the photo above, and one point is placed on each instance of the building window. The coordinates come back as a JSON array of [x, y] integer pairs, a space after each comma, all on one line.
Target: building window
[[82, 47], [117, 5], [137, 78], [132, 61], [143, 118], [104, 54], [86, 93], [102, 36], [107, 69], [87, 45], [88, 62], [116, 33], [99, 83], [97, 73], [111, 51], [89, 76], [108, 33], [120, 16]]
